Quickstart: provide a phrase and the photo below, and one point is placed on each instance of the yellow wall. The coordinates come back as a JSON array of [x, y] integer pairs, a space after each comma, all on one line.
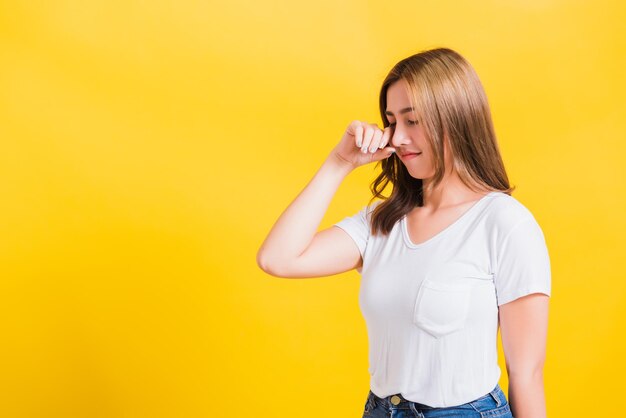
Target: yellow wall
[[148, 147]]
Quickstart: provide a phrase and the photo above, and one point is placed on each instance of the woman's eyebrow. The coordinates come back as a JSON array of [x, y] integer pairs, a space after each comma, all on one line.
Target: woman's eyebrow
[[405, 110]]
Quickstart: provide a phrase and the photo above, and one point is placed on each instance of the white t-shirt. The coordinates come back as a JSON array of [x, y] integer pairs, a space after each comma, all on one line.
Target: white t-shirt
[[431, 309]]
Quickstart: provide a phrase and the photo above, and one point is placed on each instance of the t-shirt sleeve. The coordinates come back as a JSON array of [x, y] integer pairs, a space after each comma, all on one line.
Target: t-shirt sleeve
[[358, 227], [523, 263]]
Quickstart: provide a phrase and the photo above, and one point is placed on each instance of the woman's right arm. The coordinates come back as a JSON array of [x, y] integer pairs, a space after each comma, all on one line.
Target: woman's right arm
[[293, 248]]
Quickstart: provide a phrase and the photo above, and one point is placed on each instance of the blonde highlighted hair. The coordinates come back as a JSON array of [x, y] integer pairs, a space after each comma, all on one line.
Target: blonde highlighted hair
[[451, 103]]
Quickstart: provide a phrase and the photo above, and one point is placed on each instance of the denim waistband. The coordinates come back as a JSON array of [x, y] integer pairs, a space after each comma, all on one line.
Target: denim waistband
[[497, 394]]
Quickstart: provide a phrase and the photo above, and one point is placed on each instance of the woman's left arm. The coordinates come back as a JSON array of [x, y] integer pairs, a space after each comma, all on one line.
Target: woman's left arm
[[524, 329]]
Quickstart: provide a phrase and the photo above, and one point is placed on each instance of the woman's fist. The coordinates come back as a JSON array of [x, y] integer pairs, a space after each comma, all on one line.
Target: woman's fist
[[364, 143]]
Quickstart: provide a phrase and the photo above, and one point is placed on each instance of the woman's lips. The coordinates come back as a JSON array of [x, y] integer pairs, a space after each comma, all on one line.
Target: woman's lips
[[410, 156]]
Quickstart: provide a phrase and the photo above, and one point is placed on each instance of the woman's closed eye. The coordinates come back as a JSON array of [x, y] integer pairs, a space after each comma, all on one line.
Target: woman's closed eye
[[410, 122]]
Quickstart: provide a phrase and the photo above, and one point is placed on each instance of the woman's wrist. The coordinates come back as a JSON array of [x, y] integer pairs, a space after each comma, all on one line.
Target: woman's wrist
[[339, 164]]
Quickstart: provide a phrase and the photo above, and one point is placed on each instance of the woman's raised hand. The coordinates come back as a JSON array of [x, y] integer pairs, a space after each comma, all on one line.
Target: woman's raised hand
[[364, 143]]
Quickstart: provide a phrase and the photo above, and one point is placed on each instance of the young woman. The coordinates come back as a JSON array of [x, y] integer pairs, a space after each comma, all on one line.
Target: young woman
[[445, 260]]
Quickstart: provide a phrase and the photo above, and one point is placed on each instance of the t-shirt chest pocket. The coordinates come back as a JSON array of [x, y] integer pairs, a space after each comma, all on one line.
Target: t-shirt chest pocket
[[444, 298]]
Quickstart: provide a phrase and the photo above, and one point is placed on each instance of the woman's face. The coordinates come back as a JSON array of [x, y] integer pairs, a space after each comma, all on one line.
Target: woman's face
[[408, 135]]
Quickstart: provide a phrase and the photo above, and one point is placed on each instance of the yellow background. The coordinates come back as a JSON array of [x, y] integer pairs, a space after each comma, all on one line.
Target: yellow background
[[148, 147]]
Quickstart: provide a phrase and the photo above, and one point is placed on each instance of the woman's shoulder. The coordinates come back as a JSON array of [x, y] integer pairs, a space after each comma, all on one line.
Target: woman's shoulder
[[506, 211], [369, 207]]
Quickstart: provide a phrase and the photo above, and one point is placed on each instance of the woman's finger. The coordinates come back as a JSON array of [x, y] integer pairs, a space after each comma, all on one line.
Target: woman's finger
[[386, 137], [378, 134], [367, 138], [358, 133]]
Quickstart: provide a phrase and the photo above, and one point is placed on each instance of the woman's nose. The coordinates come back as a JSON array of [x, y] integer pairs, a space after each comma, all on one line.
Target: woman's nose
[[398, 138]]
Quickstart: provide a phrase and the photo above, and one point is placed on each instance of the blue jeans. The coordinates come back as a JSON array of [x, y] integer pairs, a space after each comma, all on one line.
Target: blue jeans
[[494, 404]]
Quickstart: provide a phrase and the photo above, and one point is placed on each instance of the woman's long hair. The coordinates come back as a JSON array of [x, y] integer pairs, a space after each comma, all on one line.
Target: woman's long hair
[[449, 100]]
